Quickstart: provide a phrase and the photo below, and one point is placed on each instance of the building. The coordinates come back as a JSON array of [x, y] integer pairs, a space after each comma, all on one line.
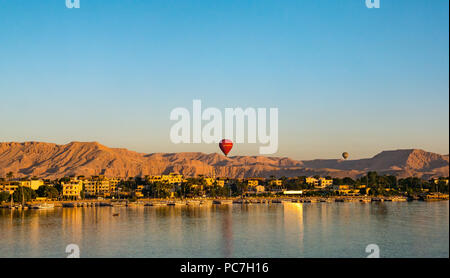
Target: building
[[33, 184], [323, 183], [139, 191], [346, 189], [72, 189], [98, 188], [320, 182], [437, 181], [113, 182], [341, 187], [259, 189], [171, 178], [275, 182], [292, 192], [209, 180], [153, 179], [221, 182], [312, 181], [9, 186], [252, 182]]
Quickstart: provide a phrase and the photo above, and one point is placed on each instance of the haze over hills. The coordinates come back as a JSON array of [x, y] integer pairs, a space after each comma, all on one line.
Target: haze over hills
[[48, 160]]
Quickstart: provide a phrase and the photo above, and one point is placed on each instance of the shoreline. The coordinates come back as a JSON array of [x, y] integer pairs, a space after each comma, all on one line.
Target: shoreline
[[220, 201]]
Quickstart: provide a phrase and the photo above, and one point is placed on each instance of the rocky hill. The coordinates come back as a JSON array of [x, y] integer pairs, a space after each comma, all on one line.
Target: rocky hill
[[49, 160]]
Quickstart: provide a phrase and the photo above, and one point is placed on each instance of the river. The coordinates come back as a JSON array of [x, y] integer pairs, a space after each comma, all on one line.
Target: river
[[329, 230]]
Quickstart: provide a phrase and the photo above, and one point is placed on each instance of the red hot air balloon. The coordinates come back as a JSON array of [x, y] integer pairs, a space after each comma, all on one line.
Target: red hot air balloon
[[226, 146]]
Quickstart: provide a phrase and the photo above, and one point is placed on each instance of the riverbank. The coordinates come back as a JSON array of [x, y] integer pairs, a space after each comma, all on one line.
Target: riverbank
[[223, 201]]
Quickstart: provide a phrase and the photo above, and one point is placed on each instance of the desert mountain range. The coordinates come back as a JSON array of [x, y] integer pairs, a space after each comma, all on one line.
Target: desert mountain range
[[48, 160]]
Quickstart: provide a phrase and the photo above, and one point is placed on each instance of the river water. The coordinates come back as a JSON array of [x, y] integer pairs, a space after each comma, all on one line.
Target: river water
[[404, 229]]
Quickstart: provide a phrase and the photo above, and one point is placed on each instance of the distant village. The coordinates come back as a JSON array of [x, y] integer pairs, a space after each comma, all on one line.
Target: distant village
[[174, 185]]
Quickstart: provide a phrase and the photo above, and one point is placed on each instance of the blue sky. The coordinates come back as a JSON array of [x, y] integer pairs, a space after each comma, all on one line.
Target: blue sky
[[344, 77]]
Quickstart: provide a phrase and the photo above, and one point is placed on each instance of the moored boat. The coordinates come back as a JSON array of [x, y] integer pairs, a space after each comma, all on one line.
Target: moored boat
[[43, 206], [223, 202]]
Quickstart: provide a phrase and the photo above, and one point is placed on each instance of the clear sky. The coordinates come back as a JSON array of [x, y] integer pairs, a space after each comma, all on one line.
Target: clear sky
[[344, 77]]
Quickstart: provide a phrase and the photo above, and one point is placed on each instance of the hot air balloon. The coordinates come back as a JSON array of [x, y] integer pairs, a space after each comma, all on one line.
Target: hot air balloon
[[226, 146], [345, 155]]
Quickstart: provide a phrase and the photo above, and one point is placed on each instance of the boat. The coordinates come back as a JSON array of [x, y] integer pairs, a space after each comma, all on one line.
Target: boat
[[223, 202], [399, 199], [193, 202], [206, 202], [15, 207], [116, 214], [43, 206]]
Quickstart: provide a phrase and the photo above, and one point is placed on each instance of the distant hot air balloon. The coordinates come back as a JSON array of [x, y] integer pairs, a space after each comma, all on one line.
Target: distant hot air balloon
[[345, 155], [226, 146]]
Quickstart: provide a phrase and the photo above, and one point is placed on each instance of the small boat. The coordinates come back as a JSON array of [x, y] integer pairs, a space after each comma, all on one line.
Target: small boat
[[399, 199], [193, 202], [43, 206], [223, 202], [116, 214]]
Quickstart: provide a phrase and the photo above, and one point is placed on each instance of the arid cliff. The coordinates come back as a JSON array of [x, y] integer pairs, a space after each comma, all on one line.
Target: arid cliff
[[49, 160]]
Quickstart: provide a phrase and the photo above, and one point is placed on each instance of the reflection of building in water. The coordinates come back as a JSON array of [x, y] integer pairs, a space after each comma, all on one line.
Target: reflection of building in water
[[227, 232], [294, 222], [34, 218], [72, 224]]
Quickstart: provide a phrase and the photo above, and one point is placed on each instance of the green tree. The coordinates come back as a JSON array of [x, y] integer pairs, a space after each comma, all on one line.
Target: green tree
[[24, 193], [392, 181], [4, 196], [338, 181], [64, 179], [373, 178], [442, 187], [348, 181], [47, 191], [242, 187]]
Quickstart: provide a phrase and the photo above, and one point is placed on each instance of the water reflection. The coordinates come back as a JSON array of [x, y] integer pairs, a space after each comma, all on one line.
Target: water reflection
[[276, 230], [227, 232], [293, 223]]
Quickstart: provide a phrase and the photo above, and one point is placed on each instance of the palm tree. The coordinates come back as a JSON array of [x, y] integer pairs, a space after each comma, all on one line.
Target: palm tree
[[10, 175]]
